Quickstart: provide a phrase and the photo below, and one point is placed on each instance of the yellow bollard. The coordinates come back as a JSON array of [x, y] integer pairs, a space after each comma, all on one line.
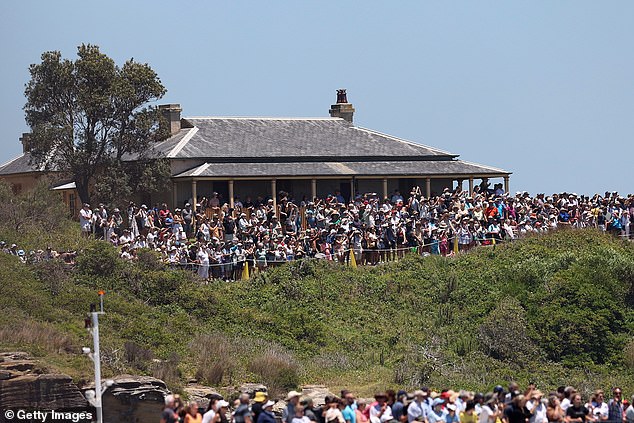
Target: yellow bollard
[[245, 271], [353, 260]]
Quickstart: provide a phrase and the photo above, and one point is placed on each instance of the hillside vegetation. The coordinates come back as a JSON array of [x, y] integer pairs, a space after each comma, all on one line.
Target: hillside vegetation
[[555, 309]]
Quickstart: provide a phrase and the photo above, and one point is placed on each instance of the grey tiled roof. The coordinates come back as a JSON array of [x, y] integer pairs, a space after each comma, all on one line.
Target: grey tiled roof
[[163, 148], [344, 169], [20, 164], [223, 138]]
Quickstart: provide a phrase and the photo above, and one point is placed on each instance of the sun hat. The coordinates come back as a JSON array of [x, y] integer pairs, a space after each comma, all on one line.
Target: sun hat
[[260, 396], [293, 394], [222, 403]]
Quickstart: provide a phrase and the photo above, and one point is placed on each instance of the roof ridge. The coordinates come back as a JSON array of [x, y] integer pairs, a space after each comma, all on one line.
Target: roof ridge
[[201, 169], [261, 118], [403, 140], [12, 160], [487, 166], [178, 147]]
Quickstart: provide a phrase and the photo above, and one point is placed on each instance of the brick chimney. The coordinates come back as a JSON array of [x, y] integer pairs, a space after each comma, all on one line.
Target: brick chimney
[[172, 114], [342, 109], [26, 142]]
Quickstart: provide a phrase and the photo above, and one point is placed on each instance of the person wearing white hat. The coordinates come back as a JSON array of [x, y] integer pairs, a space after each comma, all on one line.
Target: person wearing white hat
[[221, 412], [85, 220], [267, 416], [289, 411], [417, 409]]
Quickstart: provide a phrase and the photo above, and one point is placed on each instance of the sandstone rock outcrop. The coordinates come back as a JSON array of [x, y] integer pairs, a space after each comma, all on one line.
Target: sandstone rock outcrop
[[133, 399], [201, 394], [24, 385]]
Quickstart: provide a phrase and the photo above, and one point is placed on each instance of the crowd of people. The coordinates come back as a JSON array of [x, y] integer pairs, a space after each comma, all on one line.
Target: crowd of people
[[565, 405], [218, 241]]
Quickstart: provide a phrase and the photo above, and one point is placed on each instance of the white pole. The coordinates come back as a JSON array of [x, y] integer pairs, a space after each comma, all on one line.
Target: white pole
[[97, 360]]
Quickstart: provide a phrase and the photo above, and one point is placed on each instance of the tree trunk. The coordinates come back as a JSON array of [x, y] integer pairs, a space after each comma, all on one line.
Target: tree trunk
[[81, 184]]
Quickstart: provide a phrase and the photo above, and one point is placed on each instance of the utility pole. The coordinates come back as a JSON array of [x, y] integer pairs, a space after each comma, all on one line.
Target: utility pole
[[93, 327]]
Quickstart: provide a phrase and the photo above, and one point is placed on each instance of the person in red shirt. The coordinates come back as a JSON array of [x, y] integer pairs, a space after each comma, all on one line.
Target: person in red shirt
[[491, 211]]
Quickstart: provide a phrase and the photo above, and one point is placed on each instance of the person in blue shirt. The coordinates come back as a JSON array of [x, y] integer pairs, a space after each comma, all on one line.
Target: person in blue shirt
[[437, 414], [349, 412], [450, 414], [398, 407], [267, 416], [419, 408]]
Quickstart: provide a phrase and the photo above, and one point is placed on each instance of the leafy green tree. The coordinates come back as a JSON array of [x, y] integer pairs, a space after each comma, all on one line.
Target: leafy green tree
[[87, 116]]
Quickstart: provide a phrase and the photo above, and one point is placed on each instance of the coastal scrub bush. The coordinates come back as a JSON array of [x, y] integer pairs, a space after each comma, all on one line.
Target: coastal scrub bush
[[278, 370], [99, 259], [503, 333]]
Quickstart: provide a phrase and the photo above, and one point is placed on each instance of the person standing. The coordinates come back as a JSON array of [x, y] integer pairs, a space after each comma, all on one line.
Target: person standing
[[289, 411], [490, 412], [629, 413], [267, 416], [348, 412], [243, 413], [599, 408], [615, 406], [203, 261], [193, 416], [398, 408], [300, 417], [536, 408], [168, 415], [469, 415], [188, 217], [85, 220], [577, 412], [211, 411], [258, 403], [516, 411], [417, 410]]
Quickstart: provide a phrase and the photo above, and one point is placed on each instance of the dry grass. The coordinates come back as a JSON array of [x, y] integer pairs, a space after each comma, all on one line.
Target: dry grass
[[42, 335], [168, 370], [216, 355], [278, 370]]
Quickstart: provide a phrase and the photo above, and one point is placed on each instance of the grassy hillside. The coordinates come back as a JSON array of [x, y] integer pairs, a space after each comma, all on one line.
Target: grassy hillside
[[555, 309]]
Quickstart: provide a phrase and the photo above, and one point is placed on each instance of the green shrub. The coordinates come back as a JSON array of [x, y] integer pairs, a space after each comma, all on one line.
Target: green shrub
[[99, 259], [503, 335]]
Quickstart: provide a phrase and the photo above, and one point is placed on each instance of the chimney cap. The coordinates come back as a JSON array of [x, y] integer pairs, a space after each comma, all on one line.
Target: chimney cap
[[341, 96], [26, 142], [172, 106]]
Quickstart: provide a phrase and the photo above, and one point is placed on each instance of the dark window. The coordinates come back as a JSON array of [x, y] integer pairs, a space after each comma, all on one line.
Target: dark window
[[71, 204]]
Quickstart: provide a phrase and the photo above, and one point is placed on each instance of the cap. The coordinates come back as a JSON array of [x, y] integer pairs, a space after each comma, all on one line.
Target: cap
[[437, 401]]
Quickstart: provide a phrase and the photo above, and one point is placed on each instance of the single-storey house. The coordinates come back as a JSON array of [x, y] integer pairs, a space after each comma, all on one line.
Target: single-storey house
[[306, 157]]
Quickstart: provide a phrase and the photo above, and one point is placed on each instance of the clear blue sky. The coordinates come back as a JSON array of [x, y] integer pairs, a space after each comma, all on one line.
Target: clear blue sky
[[544, 89]]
